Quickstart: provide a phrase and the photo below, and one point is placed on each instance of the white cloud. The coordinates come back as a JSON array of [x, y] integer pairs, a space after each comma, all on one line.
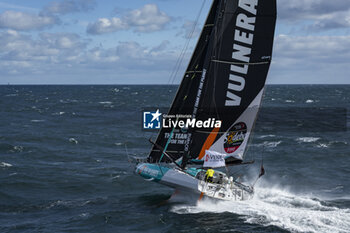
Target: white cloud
[[309, 8], [297, 59], [48, 17], [29, 56], [311, 59], [324, 14], [24, 21], [104, 25], [17, 7], [54, 55], [69, 6], [333, 20], [146, 19], [67, 41]]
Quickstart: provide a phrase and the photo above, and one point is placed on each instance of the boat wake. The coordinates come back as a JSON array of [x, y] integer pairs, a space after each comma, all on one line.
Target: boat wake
[[280, 208]]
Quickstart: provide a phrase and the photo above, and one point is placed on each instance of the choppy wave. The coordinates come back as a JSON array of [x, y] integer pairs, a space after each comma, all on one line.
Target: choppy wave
[[308, 139], [267, 136], [18, 148], [269, 144], [37, 121], [71, 172], [105, 102], [322, 145], [3, 164], [58, 113], [73, 140], [280, 208], [11, 95]]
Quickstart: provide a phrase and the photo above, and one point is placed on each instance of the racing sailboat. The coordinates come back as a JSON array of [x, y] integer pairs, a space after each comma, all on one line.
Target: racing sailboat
[[225, 82]]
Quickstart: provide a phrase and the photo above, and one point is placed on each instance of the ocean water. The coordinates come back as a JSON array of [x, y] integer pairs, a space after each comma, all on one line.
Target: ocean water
[[64, 166]]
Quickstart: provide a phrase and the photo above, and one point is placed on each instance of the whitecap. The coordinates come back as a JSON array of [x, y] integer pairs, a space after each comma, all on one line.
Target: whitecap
[[57, 203], [338, 142], [18, 148], [308, 139], [105, 102], [276, 207], [58, 113], [336, 188], [267, 136], [118, 143], [37, 121], [11, 95], [3, 164], [290, 101], [272, 144], [322, 145], [73, 140], [116, 90], [309, 101], [115, 177], [84, 215]]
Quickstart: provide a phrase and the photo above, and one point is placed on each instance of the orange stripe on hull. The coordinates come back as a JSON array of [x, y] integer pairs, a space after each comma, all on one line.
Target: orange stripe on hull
[[207, 144], [201, 196]]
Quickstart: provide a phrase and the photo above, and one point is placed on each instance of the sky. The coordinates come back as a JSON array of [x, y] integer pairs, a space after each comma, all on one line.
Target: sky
[[140, 42]]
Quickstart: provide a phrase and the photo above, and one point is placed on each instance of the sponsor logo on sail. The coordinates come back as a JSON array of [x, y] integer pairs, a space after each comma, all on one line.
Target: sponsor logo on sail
[[235, 137], [244, 35], [214, 159]]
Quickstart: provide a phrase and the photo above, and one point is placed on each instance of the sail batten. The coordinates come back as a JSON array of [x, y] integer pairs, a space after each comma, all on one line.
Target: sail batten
[[242, 63]]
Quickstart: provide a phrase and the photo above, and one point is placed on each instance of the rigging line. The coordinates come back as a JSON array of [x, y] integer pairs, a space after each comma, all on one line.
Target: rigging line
[[200, 49], [241, 63], [244, 167], [184, 50], [188, 41]]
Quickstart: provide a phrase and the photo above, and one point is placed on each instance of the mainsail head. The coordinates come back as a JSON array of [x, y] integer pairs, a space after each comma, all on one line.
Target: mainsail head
[[224, 80]]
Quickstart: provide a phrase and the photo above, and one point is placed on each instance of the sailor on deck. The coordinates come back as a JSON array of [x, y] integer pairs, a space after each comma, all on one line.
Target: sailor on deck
[[209, 175]]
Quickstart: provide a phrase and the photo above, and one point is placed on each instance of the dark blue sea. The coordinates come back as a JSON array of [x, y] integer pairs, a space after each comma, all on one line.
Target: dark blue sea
[[64, 164]]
